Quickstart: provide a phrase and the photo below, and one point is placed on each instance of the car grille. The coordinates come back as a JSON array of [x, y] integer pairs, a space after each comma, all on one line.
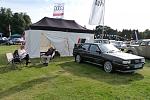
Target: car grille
[[136, 61]]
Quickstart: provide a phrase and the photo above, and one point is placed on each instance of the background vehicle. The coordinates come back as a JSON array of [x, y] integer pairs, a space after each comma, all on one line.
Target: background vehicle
[[16, 39], [120, 45], [3, 40], [142, 49], [101, 41], [108, 56]]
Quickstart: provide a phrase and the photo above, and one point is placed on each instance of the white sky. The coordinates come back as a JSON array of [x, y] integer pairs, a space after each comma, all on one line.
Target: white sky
[[119, 14]]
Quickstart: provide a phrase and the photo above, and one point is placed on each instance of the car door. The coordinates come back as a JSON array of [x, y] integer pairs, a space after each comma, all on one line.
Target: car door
[[94, 53], [85, 51]]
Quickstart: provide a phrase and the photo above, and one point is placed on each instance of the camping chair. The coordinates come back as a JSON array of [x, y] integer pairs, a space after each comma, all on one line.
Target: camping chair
[[9, 57], [46, 59], [12, 60]]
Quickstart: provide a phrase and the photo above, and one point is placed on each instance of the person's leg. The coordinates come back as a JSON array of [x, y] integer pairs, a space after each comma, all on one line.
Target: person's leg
[[47, 60], [27, 59]]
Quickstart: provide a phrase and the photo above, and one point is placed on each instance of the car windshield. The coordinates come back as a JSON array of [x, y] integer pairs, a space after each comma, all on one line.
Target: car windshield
[[108, 48]]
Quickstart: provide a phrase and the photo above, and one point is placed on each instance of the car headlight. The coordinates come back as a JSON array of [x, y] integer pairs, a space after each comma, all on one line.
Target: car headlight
[[126, 62], [143, 60]]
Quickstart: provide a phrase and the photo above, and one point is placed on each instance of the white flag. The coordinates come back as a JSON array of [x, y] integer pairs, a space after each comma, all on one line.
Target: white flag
[[58, 10], [97, 13]]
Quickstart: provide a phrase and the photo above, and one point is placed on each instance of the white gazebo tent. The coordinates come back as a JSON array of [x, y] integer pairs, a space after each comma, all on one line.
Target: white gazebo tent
[[59, 33]]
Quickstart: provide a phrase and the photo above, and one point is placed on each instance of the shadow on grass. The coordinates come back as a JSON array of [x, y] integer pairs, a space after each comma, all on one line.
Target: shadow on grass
[[96, 73], [25, 86], [5, 69], [9, 68]]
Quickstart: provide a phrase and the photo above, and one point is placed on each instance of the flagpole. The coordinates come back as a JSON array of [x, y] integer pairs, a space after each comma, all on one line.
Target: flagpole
[[103, 23]]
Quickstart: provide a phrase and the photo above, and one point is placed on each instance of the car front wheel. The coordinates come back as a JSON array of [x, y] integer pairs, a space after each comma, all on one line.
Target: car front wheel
[[78, 58], [108, 67]]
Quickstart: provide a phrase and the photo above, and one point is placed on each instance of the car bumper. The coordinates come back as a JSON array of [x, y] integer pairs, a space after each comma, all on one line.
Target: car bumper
[[129, 67]]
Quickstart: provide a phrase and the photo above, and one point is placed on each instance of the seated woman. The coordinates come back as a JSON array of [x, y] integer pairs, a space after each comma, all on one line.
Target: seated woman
[[48, 55], [23, 54]]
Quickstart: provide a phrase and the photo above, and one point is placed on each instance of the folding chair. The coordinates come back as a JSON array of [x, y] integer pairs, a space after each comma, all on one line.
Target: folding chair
[[11, 59], [46, 59]]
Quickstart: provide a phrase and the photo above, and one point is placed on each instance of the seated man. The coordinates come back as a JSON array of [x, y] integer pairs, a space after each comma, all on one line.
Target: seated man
[[48, 55], [23, 54]]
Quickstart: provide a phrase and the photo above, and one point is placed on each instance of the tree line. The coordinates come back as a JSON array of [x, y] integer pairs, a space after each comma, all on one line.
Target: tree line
[[14, 22], [125, 34]]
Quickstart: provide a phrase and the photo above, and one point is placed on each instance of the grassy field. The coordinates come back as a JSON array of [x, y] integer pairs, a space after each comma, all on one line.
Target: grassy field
[[64, 79]]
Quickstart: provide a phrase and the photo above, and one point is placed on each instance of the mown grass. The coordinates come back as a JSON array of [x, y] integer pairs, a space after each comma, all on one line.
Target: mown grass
[[64, 79]]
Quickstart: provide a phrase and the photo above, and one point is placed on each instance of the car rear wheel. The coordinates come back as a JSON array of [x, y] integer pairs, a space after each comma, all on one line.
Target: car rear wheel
[[78, 58], [108, 67]]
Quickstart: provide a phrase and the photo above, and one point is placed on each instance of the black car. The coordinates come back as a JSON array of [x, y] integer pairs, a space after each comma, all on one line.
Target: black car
[[107, 56]]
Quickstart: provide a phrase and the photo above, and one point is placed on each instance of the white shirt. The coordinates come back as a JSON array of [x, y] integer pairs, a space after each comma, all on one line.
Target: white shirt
[[22, 53]]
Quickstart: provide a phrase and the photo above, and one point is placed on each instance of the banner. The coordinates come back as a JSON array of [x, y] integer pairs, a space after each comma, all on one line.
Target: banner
[[97, 13], [58, 10]]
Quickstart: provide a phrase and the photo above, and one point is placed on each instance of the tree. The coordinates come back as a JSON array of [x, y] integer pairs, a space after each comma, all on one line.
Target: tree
[[5, 20], [146, 34], [18, 21]]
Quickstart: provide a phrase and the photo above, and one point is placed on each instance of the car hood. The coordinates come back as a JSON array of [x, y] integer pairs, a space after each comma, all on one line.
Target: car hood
[[125, 56]]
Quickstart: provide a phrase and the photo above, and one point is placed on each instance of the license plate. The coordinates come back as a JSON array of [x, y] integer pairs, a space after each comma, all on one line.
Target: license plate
[[137, 65]]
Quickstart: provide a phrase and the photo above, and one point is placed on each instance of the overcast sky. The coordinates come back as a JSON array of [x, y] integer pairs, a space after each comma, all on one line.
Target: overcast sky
[[119, 14]]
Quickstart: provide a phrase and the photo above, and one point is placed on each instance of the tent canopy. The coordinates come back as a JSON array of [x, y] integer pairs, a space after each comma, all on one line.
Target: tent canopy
[[54, 24]]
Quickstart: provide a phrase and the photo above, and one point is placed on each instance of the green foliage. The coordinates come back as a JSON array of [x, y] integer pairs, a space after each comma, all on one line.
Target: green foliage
[[64, 79], [146, 34], [110, 33], [17, 22]]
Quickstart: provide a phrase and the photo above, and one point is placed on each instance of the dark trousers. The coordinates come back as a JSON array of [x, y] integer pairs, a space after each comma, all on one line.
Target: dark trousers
[[26, 58]]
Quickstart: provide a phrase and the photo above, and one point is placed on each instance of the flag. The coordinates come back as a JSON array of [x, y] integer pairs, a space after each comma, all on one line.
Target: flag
[[58, 10], [97, 13]]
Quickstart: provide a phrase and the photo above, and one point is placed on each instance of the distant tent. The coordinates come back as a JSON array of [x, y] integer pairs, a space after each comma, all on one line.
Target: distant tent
[[59, 33]]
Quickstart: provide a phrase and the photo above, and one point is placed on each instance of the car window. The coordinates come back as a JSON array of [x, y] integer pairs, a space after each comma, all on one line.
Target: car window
[[143, 43], [85, 46], [94, 48], [108, 48]]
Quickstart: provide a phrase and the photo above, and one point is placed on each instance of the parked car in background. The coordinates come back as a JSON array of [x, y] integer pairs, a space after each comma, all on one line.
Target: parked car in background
[[16, 41], [101, 41], [142, 49], [3, 40], [108, 56], [120, 45]]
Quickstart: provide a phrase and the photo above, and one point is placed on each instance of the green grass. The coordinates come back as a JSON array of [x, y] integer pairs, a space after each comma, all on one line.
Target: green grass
[[64, 79]]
